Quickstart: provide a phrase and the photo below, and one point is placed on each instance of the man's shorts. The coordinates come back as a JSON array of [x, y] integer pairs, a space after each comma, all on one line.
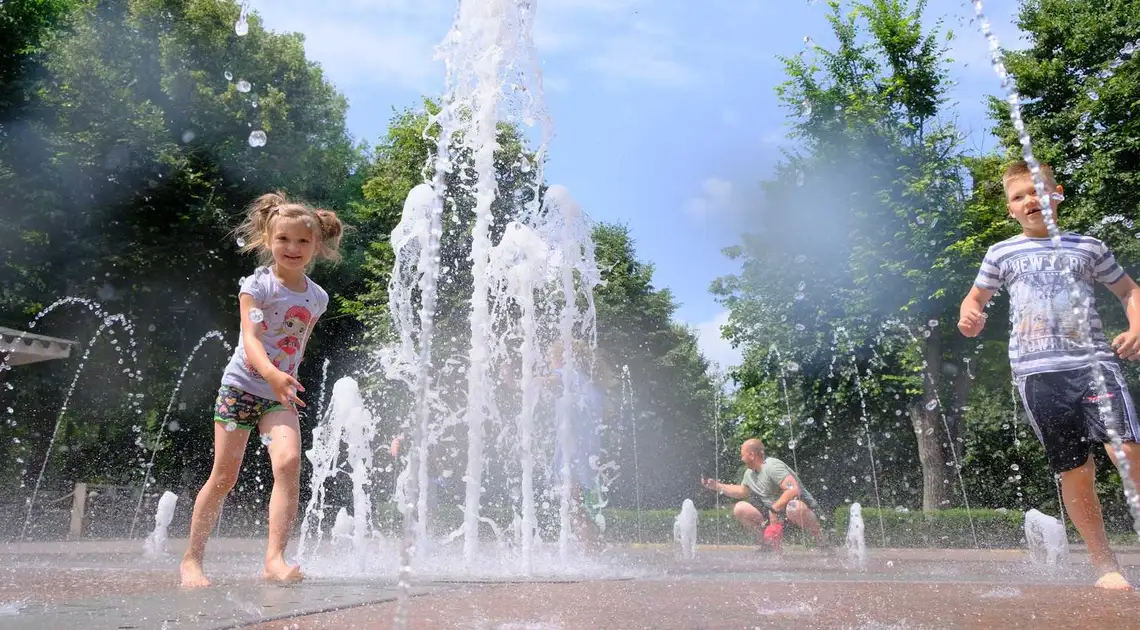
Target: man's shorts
[[1064, 410], [242, 410]]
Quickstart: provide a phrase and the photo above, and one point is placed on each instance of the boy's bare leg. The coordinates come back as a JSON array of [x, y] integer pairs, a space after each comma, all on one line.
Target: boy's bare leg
[[1078, 487], [1132, 454], [229, 448], [284, 448]]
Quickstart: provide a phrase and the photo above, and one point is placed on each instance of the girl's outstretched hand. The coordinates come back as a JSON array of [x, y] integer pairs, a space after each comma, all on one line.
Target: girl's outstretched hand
[[286, 388]]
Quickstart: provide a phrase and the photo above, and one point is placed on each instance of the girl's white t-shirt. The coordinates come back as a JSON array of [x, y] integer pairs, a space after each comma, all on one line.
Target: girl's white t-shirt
[[286, 319]]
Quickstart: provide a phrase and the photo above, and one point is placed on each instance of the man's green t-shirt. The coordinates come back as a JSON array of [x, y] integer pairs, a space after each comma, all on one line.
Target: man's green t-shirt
[[764, 484]]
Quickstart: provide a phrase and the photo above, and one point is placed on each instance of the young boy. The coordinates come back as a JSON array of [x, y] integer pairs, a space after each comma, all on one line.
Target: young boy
[[1052, 363]]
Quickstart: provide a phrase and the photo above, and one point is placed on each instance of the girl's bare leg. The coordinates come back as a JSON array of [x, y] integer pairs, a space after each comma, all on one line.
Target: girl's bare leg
[[284, 433], [229, 448]]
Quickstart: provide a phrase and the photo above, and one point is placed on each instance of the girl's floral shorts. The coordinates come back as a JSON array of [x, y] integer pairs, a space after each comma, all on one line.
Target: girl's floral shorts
[[241, 410]]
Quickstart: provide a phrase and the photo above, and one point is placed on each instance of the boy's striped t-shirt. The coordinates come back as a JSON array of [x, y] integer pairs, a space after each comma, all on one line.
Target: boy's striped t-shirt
[[1044, 311]]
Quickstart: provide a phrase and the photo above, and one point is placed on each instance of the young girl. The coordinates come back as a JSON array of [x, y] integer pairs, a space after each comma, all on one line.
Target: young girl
[[279, 306]]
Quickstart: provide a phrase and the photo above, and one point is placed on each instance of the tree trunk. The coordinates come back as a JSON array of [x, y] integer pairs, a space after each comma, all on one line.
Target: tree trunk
[[938, 474]]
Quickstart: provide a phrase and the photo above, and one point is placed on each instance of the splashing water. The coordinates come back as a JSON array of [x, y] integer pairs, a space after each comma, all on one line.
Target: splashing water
[[931, 405], [155, 546], [856, 544], [155, 445], [1046, 538], [241, 27], [1111, 422], [135, 402], [685, 531], [351, 425], [865, 417], [629, 410]]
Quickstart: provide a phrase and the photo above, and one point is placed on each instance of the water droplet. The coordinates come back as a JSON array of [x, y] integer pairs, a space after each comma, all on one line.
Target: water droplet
[[266, 439], [152, 328], [799, 178], [1128, 49], [807, 40], [799, 296], [31, 324], [1056, 197], [1093, 96], [253, 102], [800, 327], [173, 426], [187, 136], [241, 27], [241, 242], [256, 315], [792, 366], [231, 426], [229, 76], [243, 86], [932, 323], [10, 410], [801, 259], [932, 405], [257, 138], [807, 108], [1085, 118], [1015, 467]]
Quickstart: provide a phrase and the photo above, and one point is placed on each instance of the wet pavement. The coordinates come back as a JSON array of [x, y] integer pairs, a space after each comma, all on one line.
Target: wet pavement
[[110, 585]]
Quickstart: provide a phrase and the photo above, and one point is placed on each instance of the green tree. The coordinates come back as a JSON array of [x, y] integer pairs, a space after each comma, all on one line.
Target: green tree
[[673, 392], [854, 255], [132, 164]]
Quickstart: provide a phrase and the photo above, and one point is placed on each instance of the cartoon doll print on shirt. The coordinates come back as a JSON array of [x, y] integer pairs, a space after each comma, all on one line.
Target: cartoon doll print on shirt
[[284, 344], [292, 336]]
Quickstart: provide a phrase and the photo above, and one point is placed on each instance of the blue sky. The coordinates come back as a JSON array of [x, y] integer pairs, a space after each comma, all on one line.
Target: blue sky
[[664, 111]]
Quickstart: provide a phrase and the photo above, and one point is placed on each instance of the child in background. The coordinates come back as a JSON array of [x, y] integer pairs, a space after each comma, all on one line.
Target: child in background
[[279, 307]]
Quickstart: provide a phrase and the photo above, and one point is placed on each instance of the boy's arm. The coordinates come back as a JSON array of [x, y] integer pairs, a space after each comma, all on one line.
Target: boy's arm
[[971, 318], [1127, 344]]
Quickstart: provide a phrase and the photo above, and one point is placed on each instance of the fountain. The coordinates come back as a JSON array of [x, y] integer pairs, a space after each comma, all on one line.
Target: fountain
[[856, 544], [133, 400], [155, 546], [530, 289], [350, 425], [154, 447], [685, 531], [1046, 539]]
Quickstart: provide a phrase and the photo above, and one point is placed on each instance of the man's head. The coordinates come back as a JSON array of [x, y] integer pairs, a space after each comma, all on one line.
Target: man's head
[[1021, 196], [752, 454]]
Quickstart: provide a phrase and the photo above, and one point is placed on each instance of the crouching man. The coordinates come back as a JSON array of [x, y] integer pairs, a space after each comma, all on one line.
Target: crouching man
[[769, 495]]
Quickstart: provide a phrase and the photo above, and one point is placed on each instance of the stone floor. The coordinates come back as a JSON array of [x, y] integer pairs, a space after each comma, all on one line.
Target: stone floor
[[110, 585]]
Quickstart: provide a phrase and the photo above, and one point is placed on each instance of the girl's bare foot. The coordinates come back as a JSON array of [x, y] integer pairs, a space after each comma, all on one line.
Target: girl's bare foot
[[1113, 581], [192, 574], [280, 572]]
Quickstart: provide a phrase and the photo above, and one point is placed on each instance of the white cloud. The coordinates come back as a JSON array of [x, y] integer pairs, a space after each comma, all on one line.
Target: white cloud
[[716, 198], [714, 346], [389, 42]]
